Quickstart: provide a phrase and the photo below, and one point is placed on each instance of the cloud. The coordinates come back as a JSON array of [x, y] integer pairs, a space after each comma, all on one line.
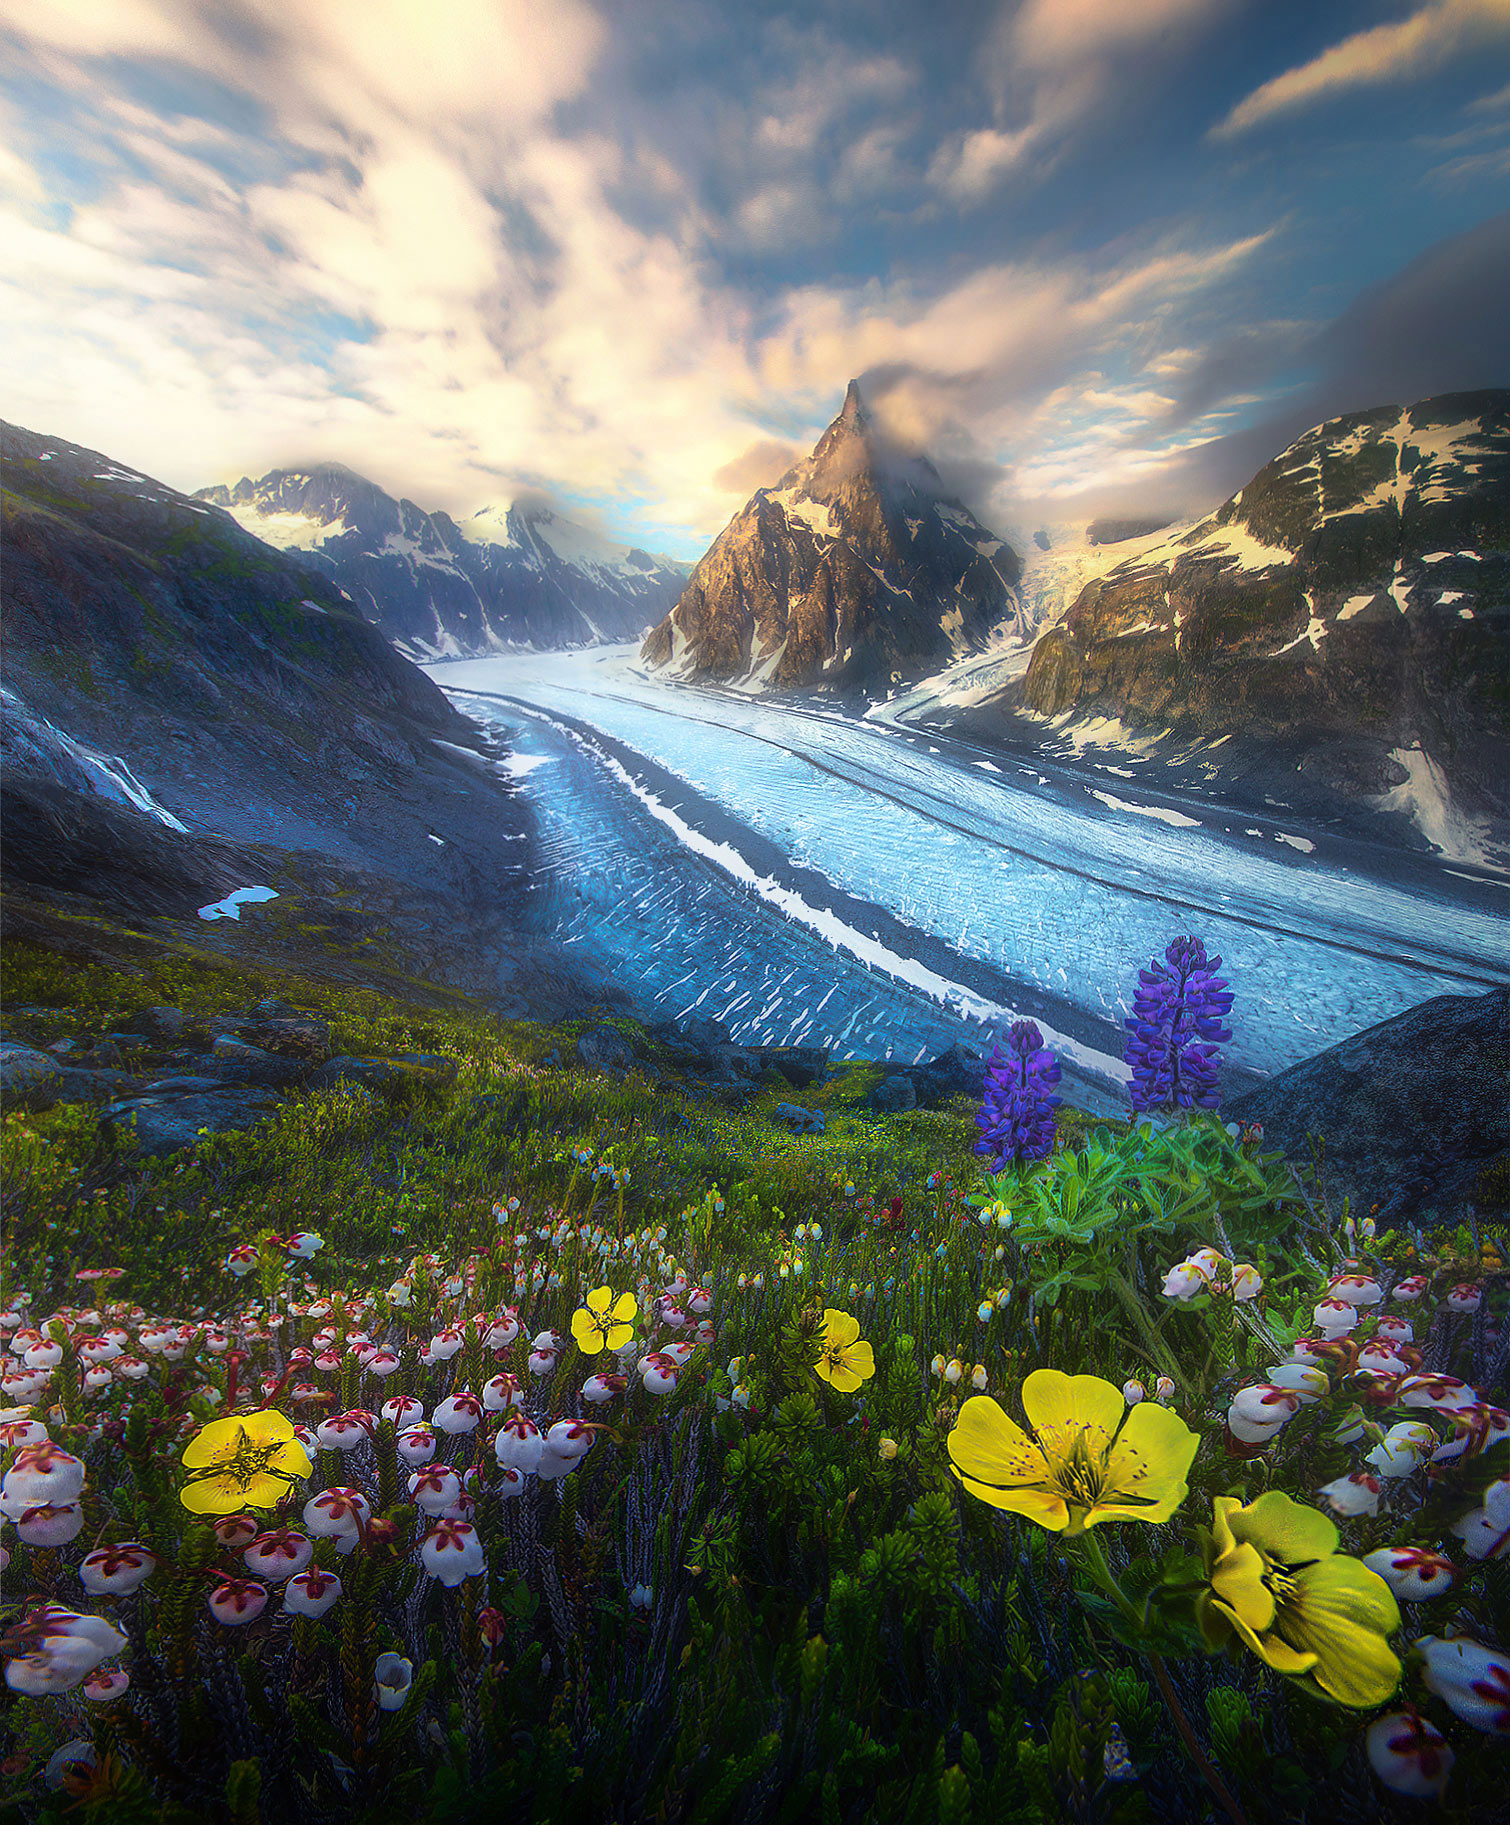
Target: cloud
[[1385, 53], [760, 466], [1049, 64]]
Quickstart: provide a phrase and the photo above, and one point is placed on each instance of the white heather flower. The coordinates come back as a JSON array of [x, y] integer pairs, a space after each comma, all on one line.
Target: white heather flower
[[460, 1413], [1409, 1755], [403, 1411], [1348, 1496], [1413, 1573], [1133, 1392], [1183, 1281], [435, 1488], [60, 1647], [1306, 1382], [452, 1551], [1247, 1282], [1437, 1393], [518, 1445], [1481, 1538], [116, 1571], [106, 1683], [278, 1555], [417, 1445], [393, 1677], [569, 1438], [553, 1466], [1472, 1680], [1412, 1288], [1467, 1297], [1355, 1289], [1257, 1413], [41, 1473], [237, 1601], [1164, 1390], [1335, 1317], [50, 1524], [311, 1593], [1401, 1451]]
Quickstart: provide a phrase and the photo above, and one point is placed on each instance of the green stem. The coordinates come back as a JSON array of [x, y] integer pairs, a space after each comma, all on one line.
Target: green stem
[[1096, 1564], [1127, 1297]]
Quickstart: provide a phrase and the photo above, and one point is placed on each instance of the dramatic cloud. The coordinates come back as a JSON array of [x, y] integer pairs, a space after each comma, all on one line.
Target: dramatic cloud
[[1405, 49], [630, 255]]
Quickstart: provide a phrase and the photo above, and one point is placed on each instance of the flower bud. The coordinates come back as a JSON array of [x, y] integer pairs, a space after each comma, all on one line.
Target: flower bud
[[393, 1676], [1472, 1680]]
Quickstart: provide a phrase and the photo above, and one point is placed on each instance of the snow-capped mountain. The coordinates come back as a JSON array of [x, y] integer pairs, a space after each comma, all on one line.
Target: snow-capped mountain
[[1347, 612], [509, 576], [855, 570]]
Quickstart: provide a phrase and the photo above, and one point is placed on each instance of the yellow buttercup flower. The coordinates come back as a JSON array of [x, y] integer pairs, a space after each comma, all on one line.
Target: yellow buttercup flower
[[845, 1361], [1305, 1609], [245, 1461], [604, 1323], [1088, 1459]]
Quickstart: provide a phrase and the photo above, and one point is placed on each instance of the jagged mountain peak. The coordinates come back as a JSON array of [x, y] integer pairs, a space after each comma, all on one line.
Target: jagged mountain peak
[[517, 573], [855, 569]]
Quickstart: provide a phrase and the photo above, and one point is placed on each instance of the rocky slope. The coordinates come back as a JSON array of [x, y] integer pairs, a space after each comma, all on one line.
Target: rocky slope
[[520, 575], [1347, 612], [856, 567], [187, 712]]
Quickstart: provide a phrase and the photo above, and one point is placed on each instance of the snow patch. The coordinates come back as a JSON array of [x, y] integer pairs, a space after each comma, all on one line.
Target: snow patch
[[1303, 844], [230, 907], [1427, 800], [1353, 606], [1164, 816]]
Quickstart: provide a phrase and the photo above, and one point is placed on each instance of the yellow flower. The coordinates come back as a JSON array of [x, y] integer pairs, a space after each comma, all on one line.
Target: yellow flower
[[845, 1361], [1305, 1609], [1076, 1468], [604, 1323], [245, 1461]]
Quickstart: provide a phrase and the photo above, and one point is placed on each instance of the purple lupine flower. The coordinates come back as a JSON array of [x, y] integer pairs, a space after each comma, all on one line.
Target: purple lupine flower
[[1016, 1117], [1176, 1026]]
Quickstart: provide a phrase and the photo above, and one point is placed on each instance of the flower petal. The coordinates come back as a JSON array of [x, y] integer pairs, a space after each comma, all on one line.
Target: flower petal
[[1270, 1649], [624, 1308], [1237, 1582], [1287, 1531], [839, 1329], [861, 1359], [843, 1380], [586, 1332], [600, 1301], [293, 1460], [1039, 1504], [618, 1335], [1341, 1612], [264, 1491], [988, 1447], [1060, 1408], [212, 1495], [213, 1443], [1146, 1467]]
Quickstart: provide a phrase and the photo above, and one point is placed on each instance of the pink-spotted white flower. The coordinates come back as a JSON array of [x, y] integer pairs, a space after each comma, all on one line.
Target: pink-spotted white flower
[[1256, 1413], [1402, 1449], [451, 1551], [403, 1411], [50, 1523], [1184, 1281], [1413, 1573], [518, 1445], [1409, 1755], [1472, 1680], [1348, 1496], [1437, 1393], [237, 1601], [105, 1683], [502, 1392], [233, 1531], [303, 1244], [279, 1554], [659, 1372], [457, 1414], [311, 1592], [571, 1438], [1468, 1296], [1411, 1288], [599, 1388], [59, 1648], [511, 1481], [341, 1432], [1355, 1289], [338, 1514], [242, 1259], [1247, 1282], [434, 1489], [1483, 1539], [42, 1473], [1305, 1381], [1335, 1317], [116, 1571], [417, 1445]]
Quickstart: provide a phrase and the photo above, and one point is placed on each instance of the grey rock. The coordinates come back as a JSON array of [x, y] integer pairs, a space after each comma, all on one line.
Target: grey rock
[[799, 1065], [77, 1086], [291, 1035], [28, 1078], [800, 1120], [961, 1071], [893, 1095], [250, 1064], [168, 1126], [605, 1049], [1413, 1111], [167, 1025], [179, 1085]]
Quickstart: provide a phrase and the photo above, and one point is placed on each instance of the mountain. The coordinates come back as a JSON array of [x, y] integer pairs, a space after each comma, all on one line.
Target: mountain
[[1347, 613], [186, 712], [855, 567], [513, 576]]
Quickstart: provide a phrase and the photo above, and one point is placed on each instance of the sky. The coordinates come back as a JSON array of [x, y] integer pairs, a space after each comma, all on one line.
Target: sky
[[1093, 255]]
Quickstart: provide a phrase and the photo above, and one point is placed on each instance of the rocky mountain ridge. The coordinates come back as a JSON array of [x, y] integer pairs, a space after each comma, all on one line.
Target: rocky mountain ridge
[[519, 575], [1349, 609], [856, 570]]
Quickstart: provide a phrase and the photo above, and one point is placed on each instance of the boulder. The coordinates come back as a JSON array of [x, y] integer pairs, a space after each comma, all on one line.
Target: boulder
[[166, 1026], [250, 1064], [75, 1086], [798, 1119], [28, 1078], [799, 1065], [893, 1095], [300, 1036], [1415, 1112], [605, 1049], [961, 1071], [168, 1125]]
